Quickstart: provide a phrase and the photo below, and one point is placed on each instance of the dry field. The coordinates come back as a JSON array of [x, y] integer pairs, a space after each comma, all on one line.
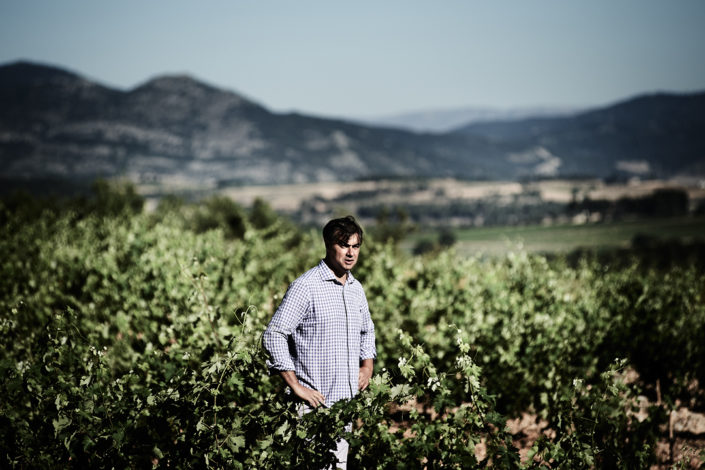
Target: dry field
[[288, 198]]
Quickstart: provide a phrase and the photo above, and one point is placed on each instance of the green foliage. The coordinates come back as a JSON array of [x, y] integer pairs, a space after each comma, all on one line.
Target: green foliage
[[392, 225], [113, 199], [667, 310], [262, 215], [446, 239], [220, 212], [595, 425], [424, 246], [133, 340]]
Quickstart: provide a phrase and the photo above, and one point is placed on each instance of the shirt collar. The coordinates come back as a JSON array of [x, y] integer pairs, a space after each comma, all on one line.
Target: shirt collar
[[327, 274]]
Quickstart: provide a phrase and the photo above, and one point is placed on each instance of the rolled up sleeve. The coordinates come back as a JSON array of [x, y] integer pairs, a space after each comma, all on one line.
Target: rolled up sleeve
[[368, 349], [294, 306]]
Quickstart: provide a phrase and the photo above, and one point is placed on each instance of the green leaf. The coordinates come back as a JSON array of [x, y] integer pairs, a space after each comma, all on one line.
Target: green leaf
[[201, 426], [282, 429], [60, 424], [238, 442], [118, 437]]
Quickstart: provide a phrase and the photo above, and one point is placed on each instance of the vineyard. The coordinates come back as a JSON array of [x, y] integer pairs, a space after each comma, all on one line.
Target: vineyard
[[132, 340]]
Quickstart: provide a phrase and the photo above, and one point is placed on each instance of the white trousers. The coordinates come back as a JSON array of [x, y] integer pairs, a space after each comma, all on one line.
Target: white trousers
[[341, 451]]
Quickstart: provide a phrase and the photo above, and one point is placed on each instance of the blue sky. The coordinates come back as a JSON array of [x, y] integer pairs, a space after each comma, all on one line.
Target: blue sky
[[367, 58]]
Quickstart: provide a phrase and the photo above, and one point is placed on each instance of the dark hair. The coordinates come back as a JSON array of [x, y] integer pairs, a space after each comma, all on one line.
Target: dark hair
[[340, 230]]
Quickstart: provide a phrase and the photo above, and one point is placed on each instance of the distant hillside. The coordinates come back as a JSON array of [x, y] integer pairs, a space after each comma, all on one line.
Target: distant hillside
[[655, 135], [177, 131], [445, 120]]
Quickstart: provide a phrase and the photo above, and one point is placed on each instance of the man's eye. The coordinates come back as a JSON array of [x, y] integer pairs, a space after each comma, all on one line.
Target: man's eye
[[345, 245]]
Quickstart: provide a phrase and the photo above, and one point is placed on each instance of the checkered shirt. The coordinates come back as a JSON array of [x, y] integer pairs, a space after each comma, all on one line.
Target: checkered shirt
[[321, 331]]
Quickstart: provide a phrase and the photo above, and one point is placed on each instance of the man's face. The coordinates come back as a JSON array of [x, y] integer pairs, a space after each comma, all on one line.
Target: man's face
[[343, 256]]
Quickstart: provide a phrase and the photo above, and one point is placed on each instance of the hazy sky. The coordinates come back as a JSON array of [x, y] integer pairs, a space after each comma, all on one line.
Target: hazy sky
[[366, 58]]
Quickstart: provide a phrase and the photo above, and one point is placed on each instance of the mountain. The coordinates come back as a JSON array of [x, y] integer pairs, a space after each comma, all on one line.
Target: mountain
[[177, 131], [444, 120], [653, 135]]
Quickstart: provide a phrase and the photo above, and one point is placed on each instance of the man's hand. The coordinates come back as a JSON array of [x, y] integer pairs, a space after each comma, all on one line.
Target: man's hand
[[310, 396], [365, 373]]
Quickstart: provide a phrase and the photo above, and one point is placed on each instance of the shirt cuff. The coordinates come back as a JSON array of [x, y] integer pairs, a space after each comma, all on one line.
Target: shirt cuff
[[278, 366]]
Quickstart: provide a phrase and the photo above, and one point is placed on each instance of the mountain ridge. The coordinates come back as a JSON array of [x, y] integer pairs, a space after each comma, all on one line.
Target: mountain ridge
[[648, 126], [442, 120], [177, 130]]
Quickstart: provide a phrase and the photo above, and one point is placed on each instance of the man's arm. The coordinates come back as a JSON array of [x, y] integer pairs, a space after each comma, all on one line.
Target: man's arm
[[366, 368], [312, 397], [275, 339], [368, 351], [285, 319]]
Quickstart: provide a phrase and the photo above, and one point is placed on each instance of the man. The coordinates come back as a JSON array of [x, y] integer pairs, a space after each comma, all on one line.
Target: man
[[321, 339]]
